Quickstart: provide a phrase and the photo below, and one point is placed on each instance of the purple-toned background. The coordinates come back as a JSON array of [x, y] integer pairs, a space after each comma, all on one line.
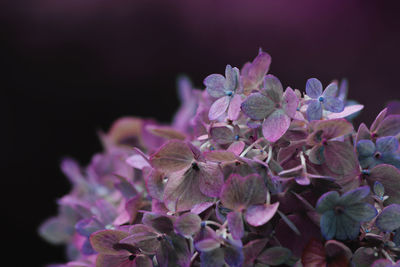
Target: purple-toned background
[[72, 67]]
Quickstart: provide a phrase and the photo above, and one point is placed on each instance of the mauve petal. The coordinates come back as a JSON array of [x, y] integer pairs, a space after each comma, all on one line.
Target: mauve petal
[[390, 126], [211, 179], [275, 125], [254, 73], [314, 110], [257, 106], [365, 148], [341, 157], [313, 88], [234, 107], [333, 104], [103, 241], [218, 108], [137, 161], [188, 224], [222, 135], [215, 85], [331, 90], [172, 156], [235, 224], [347, 111], [387, 144], [258, 215], [290, 102], [236, 147]]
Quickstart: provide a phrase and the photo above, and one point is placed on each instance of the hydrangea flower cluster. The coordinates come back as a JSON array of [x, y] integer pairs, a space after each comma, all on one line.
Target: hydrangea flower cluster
[[247, 174]]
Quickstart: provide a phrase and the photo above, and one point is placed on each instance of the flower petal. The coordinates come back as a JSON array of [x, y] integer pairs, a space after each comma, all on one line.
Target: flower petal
[[340, 157], [290, 102], [313, 88], [389, 219], [333, 104], [365, 148], [272, 88], [231, 78], [240, 192], [215, 85], [361, 212], [211, 179], [276, 125], [234, 107], [235, 224], [188, 224], [314, 110], [387, 144], [218, 107], [327, 201], [172, 156], [331, 90], [258, 215], [257, 106]]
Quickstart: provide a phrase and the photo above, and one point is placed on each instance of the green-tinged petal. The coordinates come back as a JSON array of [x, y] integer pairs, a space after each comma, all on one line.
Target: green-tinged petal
[[340, 157], [188, 224], [104, 241], [365, 148], [327, 201], [328, 224], [257, 106], [361, 212], [272, 88], [354, 196], [239, 192], [276, 125], [275, 256], [173, 156]]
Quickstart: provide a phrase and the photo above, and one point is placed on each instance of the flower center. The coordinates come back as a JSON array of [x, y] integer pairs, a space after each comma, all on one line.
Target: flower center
[[321, 99], [229, 93], [131, 257], [236, 137], [339, 210], [377, 155], [195, 166]]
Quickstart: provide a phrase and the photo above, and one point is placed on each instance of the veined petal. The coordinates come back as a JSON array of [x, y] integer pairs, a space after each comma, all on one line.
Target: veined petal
[[290, 102], [234, 107], [346, 227], [354, 196], [314, 110], [215, 85], [257, 106], [327, 201], [231, 78], [275, 125], [328, 224], [387, 144], [333, 104], [272, 88], [361, 212], [365, 148], [331, 90], [313, 88], [218, 108]]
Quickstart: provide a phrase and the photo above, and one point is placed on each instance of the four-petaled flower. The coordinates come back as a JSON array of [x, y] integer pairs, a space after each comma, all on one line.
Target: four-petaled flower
[[322, 100], [385, 150], [342, 215], [224, 88], [273, 105]]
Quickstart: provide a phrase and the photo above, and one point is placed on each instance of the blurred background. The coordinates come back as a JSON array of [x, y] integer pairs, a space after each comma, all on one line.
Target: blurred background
[[70, 68]]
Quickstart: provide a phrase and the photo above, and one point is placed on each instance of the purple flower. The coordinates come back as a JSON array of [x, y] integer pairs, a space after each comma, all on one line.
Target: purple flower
[[224, 88], [322, 100], [273, 106]]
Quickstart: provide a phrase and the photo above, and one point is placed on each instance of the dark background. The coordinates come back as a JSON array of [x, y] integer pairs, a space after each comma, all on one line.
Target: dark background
[[69, 68]]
